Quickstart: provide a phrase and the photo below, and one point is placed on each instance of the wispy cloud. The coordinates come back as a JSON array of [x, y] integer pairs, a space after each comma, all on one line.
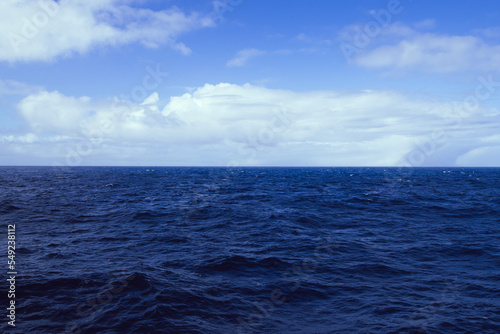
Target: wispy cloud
[[425, 24], [12, 87], [492, 32], [302, 37], [400, 47], [243, 56]]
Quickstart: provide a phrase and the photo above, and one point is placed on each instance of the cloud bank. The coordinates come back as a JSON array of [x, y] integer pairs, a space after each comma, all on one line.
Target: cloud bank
[[250, 125]]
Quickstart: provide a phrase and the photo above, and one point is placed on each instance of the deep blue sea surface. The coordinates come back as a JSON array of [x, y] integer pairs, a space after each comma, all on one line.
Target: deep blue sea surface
[[252, 250]]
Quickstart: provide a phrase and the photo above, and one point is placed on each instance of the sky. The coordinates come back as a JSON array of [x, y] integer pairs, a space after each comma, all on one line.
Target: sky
[[250, 83]]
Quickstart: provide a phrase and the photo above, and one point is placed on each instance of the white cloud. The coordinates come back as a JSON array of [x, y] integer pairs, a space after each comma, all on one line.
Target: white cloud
[[481, 157], [399, 47], [252, 125], [243, 56], [44, 30], [52, 112]]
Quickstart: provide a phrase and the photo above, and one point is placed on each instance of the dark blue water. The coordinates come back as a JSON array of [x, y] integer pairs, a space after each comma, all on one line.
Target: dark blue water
[[253, 250]]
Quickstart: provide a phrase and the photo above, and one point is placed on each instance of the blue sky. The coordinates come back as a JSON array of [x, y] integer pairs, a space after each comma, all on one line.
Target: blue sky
[[250, 82]]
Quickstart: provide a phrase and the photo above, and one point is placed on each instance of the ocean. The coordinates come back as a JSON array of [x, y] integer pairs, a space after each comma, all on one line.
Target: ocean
[[251, 250]]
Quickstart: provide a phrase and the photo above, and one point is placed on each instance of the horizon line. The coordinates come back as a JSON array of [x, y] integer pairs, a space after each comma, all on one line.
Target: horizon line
[[243, 166]]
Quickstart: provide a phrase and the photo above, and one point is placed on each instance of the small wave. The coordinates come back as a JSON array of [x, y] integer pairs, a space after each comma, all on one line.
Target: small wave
[[379, 270], [463, 251], [241, 263], [7, 207], [52, 256], [40, 288], [356, 200]]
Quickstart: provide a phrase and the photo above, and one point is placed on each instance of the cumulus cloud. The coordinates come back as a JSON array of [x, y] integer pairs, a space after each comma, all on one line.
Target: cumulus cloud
[[248, 125], [52, 112], [42, 30], [243, 56], [398, 46]]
